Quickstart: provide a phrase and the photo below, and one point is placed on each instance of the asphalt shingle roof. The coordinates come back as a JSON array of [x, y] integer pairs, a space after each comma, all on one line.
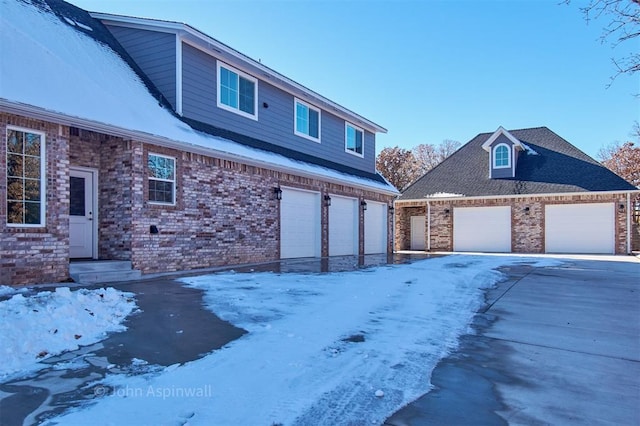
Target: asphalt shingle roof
[[559, 167]]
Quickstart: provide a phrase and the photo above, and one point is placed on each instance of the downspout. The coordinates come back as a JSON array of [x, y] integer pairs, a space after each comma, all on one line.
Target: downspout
[[628, 223], [428, 225]]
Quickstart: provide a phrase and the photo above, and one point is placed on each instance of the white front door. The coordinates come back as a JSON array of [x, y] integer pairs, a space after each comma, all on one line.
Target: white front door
[[81, 214], [418, 229]]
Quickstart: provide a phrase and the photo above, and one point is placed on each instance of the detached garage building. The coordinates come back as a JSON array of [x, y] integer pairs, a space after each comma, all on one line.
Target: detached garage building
[[522, 191]]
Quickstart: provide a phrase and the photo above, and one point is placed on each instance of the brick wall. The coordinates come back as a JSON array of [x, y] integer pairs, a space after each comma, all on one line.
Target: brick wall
[[527, 220], [225, 213], [30, 255]]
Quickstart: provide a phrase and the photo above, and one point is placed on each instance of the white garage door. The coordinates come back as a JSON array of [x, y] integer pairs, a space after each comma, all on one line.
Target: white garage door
[[343, 226], [484, 229], [580, 228], [375, 228], [299, 224]]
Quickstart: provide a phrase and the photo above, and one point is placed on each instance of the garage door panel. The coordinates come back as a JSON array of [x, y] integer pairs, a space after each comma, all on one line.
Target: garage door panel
[[482, 229], [580, 228], [375, 228], [343, 226], [299, 224]]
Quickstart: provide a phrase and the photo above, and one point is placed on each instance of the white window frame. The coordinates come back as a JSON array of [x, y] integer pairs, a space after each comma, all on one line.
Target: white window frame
[[246, 76], [173, 181], [494, 156], [346, 130], [43, 178], [297, 101]]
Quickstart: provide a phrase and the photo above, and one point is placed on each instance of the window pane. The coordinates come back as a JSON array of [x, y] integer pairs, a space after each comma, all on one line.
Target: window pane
[[32, 190], [15, 189], [247, 98], [15, 212], [15, 141], [313, 123], [302, 125], [77, 195], [32, 167], [14, 165], [32, 144], [228, 88], [351, 136], [358, 142], [32, 213]]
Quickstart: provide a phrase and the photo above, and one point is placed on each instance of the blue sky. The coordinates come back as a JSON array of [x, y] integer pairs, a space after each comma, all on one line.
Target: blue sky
[[431, 70]]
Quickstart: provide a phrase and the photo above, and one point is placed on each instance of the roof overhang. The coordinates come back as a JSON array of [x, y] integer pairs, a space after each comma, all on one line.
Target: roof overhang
[[208, 44], [511, 196], [59, 118], [502, 131]]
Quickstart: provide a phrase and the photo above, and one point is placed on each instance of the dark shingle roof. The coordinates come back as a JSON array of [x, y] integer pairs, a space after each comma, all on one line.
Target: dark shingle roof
[[559, 167]]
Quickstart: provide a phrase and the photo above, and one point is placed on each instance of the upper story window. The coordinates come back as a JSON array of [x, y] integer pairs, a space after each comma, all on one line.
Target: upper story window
[[307, 121], [25, 178], [237, 91], [354, 140], [162, 179], [501, 157]]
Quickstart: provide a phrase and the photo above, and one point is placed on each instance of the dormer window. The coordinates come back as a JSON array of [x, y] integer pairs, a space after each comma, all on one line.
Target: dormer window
[[237, 91], [501, 156]]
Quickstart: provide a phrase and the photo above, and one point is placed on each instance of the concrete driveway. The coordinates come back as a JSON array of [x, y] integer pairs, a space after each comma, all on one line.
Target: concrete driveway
[[554, 345]]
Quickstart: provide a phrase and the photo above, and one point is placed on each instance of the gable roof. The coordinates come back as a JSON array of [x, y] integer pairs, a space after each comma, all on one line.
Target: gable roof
[[501, 131], [73, 72], [239, 60], [548, 165]]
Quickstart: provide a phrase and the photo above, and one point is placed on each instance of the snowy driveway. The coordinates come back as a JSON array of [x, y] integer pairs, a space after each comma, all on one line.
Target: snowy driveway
[[338, 348]]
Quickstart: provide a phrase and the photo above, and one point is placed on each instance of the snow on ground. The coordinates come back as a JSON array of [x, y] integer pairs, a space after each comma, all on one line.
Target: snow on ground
[[319, 347], [47, 323]]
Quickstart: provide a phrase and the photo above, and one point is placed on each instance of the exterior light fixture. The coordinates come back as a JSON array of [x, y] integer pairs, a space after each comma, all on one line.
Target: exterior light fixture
[[278, 193], [391, 209], [621, 207], [153, 229], [447, 211], [363, 203], [527, 209], [327, 200]]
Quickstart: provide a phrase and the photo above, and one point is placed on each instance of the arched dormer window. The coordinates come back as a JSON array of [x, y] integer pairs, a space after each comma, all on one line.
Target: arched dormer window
[[501, 156]]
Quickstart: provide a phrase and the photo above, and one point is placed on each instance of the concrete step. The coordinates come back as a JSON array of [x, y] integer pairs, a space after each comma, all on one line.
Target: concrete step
[[98, 271]]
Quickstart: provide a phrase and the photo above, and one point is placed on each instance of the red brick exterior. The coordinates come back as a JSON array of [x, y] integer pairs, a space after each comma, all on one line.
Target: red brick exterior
[[225, 211], [29, 255], [527, 226]]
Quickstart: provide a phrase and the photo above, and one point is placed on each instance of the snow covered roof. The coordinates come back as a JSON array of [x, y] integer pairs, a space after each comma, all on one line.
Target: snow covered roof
[[64, 69]]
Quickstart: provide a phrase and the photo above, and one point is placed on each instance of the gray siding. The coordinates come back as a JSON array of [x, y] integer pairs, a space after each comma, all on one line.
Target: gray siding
[[274, 124], [502, 173], [155, 54]]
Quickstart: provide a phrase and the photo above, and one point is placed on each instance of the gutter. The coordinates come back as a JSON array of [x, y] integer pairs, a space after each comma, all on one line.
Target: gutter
[[629, 223], [96, 126], [508, 196], [428, 226]]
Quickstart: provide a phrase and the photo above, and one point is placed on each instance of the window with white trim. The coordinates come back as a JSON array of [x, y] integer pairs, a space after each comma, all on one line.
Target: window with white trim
[[354, 140], [25, 178], [162, 179], [501, 156], [237, 92], [307, 120]]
